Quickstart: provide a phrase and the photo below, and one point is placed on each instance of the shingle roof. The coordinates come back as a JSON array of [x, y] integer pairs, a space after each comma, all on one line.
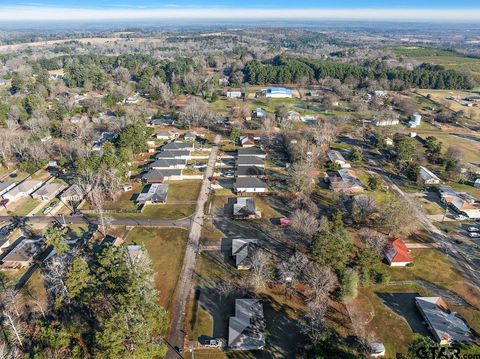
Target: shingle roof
[[172, 154], [176, 146], [166, 163], [249, 151], [161, 173], [244, 206], [246, 329], [241, 250], [250, 171], [250, 160], [250, 182], [397, 252]]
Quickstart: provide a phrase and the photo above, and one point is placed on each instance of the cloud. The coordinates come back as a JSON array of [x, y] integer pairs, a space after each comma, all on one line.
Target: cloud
[[31, 13]]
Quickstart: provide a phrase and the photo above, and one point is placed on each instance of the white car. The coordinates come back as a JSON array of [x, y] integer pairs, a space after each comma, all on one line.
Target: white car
[[474, 235], [472, 229]]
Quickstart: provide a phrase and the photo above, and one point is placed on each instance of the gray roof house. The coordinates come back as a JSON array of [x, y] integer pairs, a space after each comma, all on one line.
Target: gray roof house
[[23, 254], [250, 171], [428, 177], [47, 191], [250, 185], [23, 189], [250, 161], [190, 136], [244, 207], [158, 176], [242, 250], [445, 326], [167, 163], [246, 330], [154, 193], [336, 157], [6, 186], [178, 146], [184, 155], [251, 151], [72, 194]]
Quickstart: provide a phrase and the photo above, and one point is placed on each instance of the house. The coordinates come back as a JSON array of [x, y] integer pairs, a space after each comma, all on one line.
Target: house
[[397, 254], [190, 136], [377, 350], [476, 184], [415, 120], [23, 254], [380, 93], [22, 190], [259, 113], [178, 146], [461, 202], [386, 122], [154, 193], [250, 161], [72, 194], [242, 250], [183, 155], [445, 326], [165, 135], [251, 151], [163, 121], [244, 207], [159, 176], [336, 157], [277, 92], [473, 98], [234, 94], [48, 191], [104, 137], [6, 186], [345, 181], [250, 171], [294, 116], [168, 163], [250, 185], [246, 330], [428, 177], [131, 100], [247, 141], [112, 241]]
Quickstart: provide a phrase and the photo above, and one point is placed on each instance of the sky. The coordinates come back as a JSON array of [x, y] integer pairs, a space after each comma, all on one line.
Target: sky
[[91, 10]]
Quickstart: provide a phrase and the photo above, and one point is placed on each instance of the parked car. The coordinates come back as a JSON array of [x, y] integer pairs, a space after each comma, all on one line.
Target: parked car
[[48, 209], [4, 202], [472, 229], [474, 235]]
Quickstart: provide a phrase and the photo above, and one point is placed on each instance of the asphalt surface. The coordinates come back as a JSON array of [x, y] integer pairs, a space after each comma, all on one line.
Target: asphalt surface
[[176, 337]]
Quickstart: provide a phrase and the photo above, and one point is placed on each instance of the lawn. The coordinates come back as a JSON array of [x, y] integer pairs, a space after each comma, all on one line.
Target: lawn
[[24, 206], [166, 247], [161, 211], [183, 190]]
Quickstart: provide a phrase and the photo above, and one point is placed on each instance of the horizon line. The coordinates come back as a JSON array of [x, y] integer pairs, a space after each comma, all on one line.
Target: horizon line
[[43, 13]]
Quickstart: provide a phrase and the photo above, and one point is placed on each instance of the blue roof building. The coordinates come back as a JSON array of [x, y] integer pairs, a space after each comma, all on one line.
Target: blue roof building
[[278, 92]]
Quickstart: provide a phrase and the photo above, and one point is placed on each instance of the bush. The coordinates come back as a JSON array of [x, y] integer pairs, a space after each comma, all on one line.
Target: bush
[[383, 277], [349, 283]]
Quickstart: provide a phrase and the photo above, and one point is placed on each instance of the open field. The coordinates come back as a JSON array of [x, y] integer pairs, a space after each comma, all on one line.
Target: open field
[[166, 247], [24, 206]]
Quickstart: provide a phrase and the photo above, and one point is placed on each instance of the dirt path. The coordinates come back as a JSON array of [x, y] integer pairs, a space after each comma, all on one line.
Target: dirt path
[[176, 336]]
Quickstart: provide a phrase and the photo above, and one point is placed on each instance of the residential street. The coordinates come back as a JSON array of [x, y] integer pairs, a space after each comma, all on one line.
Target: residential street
[[443, 241], [176, 336]]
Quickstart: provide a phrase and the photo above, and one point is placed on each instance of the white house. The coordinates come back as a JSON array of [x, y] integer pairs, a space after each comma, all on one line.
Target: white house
[[336, 157], [22, 190], [428, 177], [234, 94], [476, 184], [397, 254], [5, 187], [277, 92], [47, 192], [250, 185]]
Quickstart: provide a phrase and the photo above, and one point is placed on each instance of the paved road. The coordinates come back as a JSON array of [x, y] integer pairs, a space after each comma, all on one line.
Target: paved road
[[443, 242], [176, 336], [134, 222]]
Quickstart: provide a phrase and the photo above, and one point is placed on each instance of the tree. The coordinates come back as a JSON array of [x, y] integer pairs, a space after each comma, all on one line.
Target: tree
[[363, 207], [368, 261], [453, 162], [405, 149], [413, 171], [434, 149], [234, 134], [161, 91], [349, 283], [374, 181], [303, 202], [304, 224], [357, 154], [395, 216], [371, 238], [197, 112], [300, 176], [56, 237], [420, 346], [260, 270]]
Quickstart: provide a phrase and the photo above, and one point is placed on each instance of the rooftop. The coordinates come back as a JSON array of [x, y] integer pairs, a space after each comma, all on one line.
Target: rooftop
[[255, 151], [156, 192], [250, 160], [241, 250], [250, 182], [244, 206], [246, 329]]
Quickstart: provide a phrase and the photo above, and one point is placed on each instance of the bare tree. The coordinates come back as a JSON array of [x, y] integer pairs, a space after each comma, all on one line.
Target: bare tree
[[363, 207], [373, 239], [162, 90], [301, 176], [321, 282], [260, 270], [304, 224], [302, 201], [268, 125], [197, 112], [293, 270]]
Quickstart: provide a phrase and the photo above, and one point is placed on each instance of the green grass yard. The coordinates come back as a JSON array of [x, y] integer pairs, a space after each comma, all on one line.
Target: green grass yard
[[166, 247]]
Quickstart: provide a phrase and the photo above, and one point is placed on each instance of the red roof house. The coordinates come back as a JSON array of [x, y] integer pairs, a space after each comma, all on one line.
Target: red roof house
[[397, 253]]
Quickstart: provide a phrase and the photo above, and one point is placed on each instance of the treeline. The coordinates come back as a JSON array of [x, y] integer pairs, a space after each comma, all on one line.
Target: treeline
[[284, 69], [94, 70]]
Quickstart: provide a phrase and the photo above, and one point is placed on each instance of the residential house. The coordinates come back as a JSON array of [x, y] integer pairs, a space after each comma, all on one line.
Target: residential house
[[159, 176], [168, 163], [131, 100], [247, 141], [250, 161], [183, 155], [234, 94], [277, 92], [72, 194], [244, 207], [377, 350], [48, 191], [250, 171], [397, 254], [415, 120], [250, 185], [336, 157], [22, 190], [165, 135], [474, 98], [178, 146], [476, 184], [104, 137], [345, 181], [251, 151], [446, 326], [386, 122], [6, 186], [242, 250], [190, 136], [163, 121], [246, 330], [23, 254], [259, 113], [428, 177], [380, 93], [153, 194], [461, 202]]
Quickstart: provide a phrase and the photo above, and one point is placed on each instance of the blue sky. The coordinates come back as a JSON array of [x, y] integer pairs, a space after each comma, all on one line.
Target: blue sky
[[231, 10], [342, 4]]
